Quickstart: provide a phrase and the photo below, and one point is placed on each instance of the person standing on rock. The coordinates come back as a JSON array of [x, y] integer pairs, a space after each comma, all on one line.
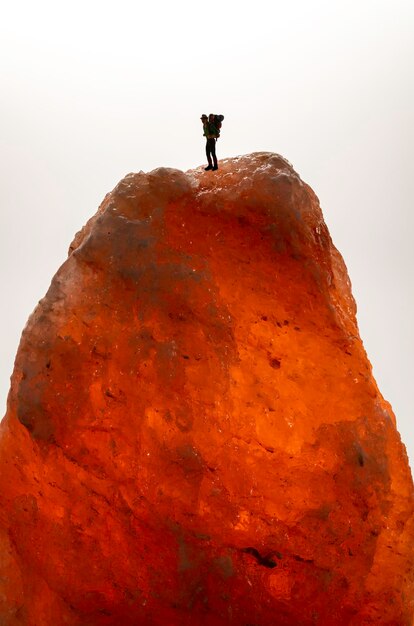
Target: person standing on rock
[[211, 127]]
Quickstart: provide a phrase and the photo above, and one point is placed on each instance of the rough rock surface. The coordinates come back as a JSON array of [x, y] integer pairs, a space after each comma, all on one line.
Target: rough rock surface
[[193, 435]]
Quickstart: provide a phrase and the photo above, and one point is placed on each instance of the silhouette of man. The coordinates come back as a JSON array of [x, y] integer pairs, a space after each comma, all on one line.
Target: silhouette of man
[[210, 133]]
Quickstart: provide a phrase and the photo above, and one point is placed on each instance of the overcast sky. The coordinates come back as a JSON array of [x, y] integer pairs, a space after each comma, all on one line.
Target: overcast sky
[[94, 90]]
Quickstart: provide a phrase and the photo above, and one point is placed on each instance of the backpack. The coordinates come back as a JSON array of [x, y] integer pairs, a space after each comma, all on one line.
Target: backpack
[[217, 123]]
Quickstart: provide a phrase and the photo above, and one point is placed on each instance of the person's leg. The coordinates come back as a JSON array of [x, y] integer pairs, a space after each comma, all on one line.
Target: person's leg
[[208, 153], [213, 152]]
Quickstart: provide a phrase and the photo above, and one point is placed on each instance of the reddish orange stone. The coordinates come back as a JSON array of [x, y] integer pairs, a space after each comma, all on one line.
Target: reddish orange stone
[[193, 434]]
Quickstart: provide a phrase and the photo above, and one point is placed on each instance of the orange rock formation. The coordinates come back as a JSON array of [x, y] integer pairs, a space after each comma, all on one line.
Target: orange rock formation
[[193, 435]]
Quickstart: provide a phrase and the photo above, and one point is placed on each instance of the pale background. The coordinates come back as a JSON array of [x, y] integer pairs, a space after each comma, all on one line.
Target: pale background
[[93, 90]]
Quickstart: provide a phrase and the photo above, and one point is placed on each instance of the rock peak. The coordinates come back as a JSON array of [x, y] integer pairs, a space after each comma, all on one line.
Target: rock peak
[[193, 434]]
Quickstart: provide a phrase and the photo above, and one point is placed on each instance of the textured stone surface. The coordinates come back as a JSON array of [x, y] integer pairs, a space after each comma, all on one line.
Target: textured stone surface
[[193, 434]]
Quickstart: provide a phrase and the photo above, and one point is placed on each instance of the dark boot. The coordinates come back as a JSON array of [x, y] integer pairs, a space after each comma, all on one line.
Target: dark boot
[[209, 167]]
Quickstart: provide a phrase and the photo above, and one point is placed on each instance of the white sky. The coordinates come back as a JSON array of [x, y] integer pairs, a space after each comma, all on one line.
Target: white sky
[[93, 90]]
